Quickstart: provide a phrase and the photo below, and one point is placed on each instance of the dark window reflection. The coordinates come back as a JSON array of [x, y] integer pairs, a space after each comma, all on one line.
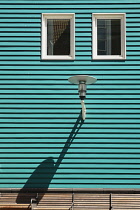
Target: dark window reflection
[[109, 37], [58, 37]]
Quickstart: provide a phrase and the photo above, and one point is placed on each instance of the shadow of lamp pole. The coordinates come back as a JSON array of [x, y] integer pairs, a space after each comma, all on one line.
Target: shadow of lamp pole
[[45, 172]]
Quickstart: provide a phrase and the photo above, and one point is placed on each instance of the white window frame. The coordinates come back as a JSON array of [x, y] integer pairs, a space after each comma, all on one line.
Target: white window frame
[[122, 17], [45, 17]]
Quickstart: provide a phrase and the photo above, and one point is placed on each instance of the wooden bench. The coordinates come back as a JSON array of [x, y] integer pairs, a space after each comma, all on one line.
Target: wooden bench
[[14, 206], [126, 201], [8, 200], [70, 200], [21, 200], [54, 201], [91, 201]]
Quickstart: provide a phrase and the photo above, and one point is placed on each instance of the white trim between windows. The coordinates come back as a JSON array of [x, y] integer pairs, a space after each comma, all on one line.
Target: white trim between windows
[[122, 17], [45, 17]]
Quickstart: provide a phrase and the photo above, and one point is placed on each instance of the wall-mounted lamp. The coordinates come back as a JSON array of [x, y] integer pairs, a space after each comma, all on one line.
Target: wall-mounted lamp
[[82, 81]]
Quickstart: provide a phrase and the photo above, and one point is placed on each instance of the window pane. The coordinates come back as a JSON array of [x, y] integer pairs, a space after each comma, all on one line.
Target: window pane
[[102, 45], [58, 37], [109, 37]]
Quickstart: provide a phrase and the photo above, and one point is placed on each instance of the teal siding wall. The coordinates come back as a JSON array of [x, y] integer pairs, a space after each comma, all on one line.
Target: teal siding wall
[[42, 140]]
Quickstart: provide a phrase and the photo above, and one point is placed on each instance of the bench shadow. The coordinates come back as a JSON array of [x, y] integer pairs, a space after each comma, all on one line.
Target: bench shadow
[[45, 172]]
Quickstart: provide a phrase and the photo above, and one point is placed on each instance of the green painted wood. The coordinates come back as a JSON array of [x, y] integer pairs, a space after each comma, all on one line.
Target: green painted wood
[[68, 162], [112, 185], [67, 130], [51, 121], [71, 9], [71, 96], [70, 6], [34, 29], [38, 158], [78, 171], [71, 181], [26, 106], [91, 111], [63, 135], [77, 165], [67, 68], [68, 2], [83, 144], [62, 75], [39, 108], [20, 25], [61, 78], [75, 150], [46, 101], [12, 34], [89, 126], [76, 176]]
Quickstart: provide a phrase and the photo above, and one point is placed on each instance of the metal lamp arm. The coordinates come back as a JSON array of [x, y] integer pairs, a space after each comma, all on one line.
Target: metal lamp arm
[[83, 109]]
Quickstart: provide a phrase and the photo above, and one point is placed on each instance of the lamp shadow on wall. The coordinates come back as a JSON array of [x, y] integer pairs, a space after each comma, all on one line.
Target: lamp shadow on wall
[[44, 173]]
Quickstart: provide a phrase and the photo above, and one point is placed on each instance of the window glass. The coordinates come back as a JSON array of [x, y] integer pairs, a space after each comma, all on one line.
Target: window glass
[[108, 37], [58, 37]]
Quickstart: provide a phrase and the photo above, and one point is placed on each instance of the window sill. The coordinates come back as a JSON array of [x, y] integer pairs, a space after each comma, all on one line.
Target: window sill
[[57, 57], [109, 58]]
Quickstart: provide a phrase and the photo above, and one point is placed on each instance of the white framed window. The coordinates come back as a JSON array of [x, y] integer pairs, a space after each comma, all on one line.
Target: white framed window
[[109, 35], [58, 36]]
